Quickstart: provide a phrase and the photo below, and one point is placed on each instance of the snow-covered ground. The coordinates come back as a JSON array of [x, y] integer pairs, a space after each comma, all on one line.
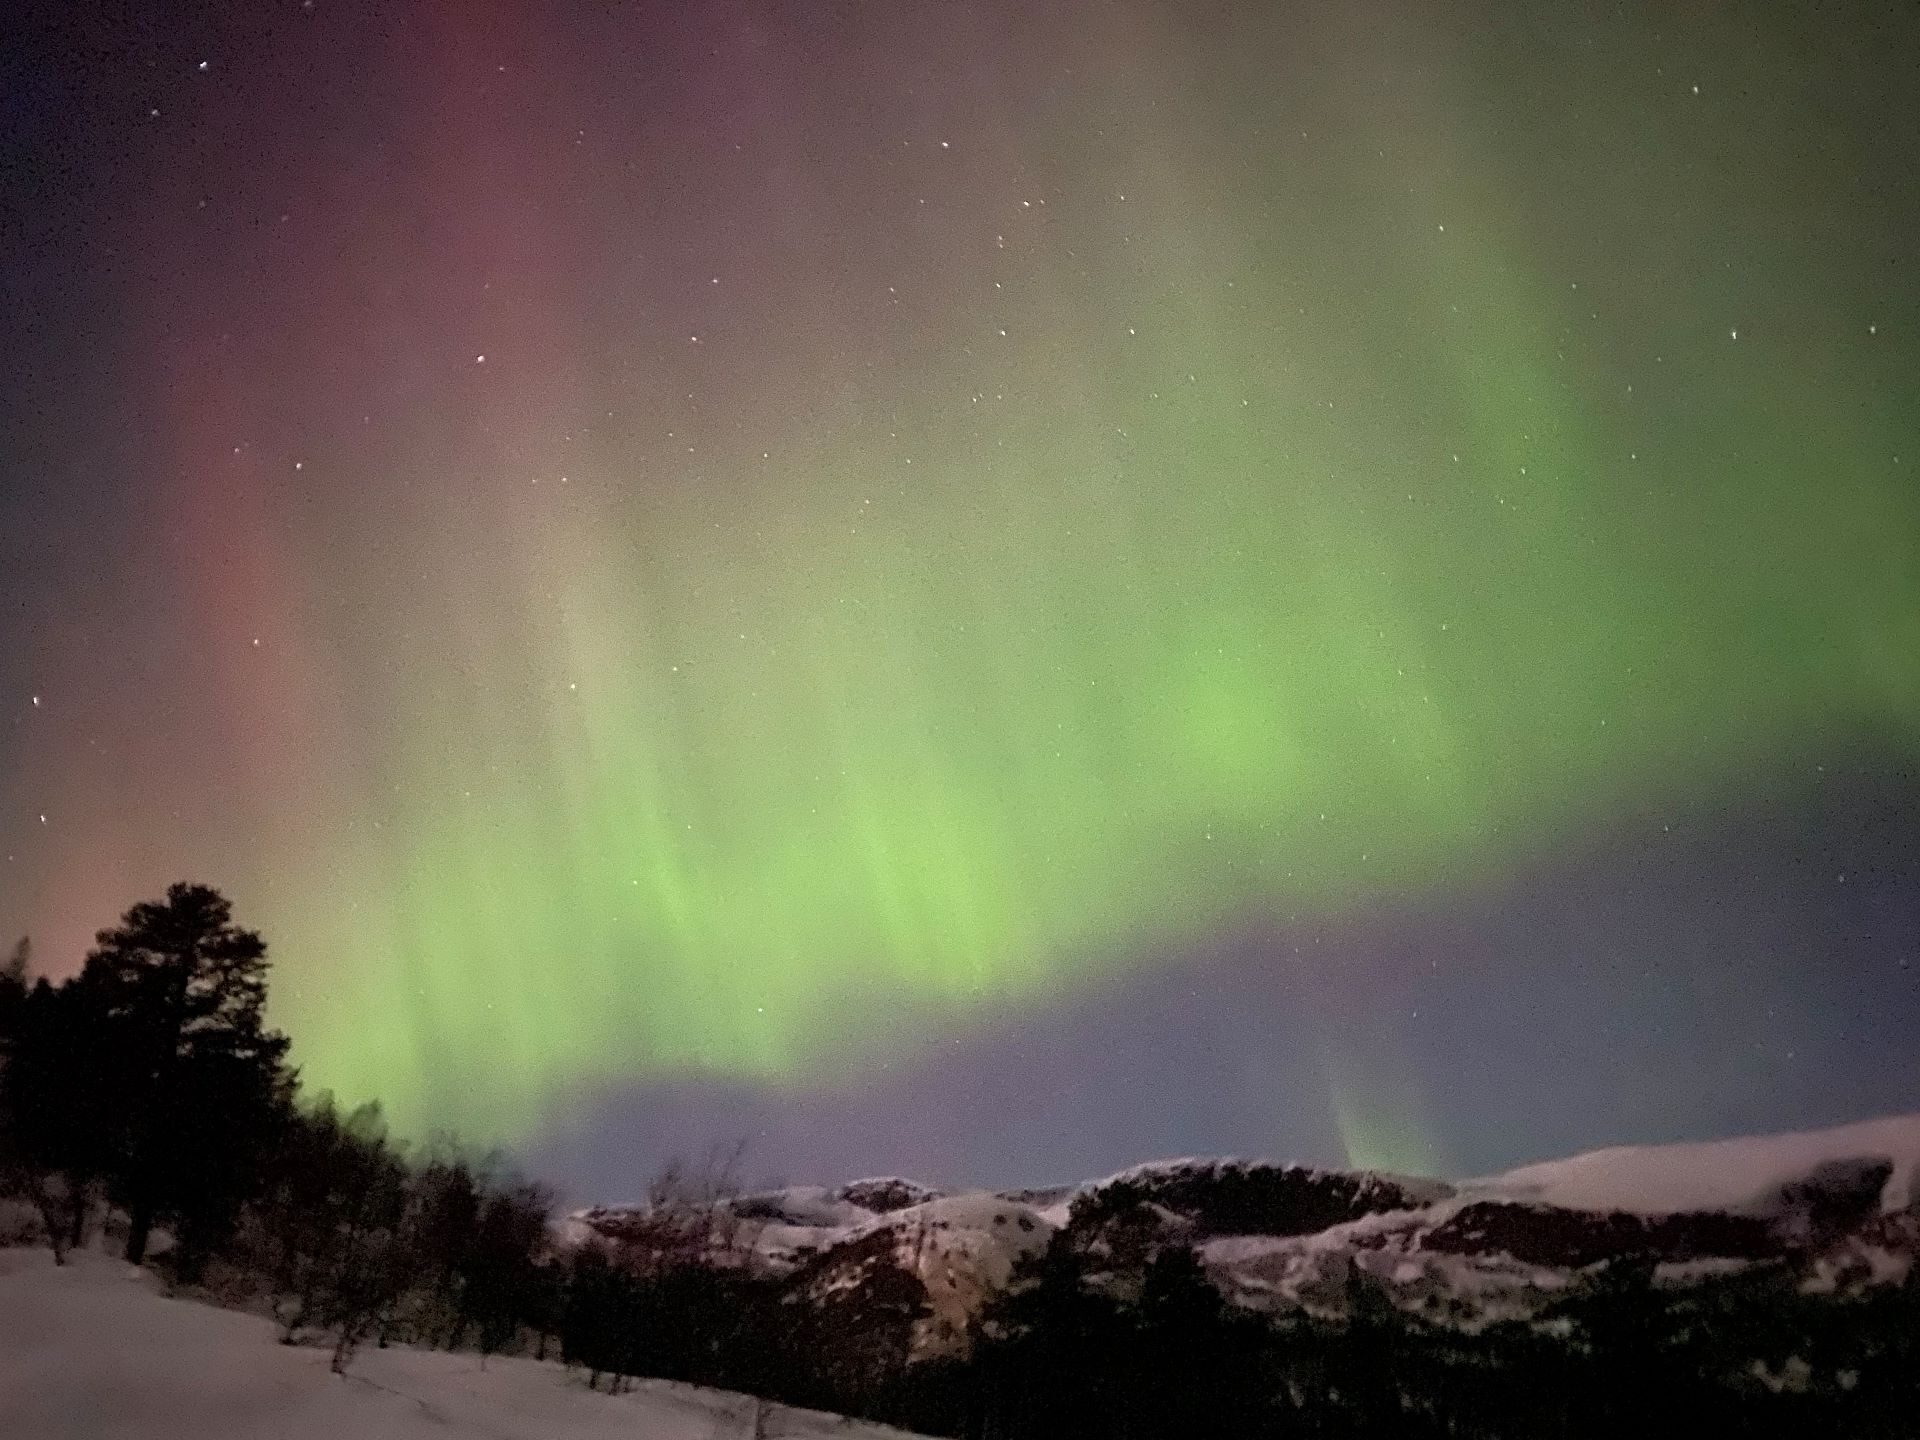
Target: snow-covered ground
[[92, 1351]]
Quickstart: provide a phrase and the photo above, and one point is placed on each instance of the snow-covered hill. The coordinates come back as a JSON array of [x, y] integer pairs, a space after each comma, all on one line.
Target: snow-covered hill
[[1754, 1174], [91, 1350], [1840, 1206], [955, 1251]]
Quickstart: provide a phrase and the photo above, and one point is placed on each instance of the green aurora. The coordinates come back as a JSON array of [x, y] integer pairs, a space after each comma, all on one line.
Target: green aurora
[[1235, 482]]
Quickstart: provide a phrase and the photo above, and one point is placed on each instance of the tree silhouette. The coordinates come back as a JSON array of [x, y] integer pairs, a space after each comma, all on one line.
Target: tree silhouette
[[13, 981], [58, 1107], [13, 1003], [334, 1193], [502, 1263], [197, 1077]]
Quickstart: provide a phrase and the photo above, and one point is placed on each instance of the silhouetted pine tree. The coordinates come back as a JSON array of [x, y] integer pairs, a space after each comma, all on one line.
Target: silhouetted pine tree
[[1200, 1361], [194, 1074], [1057, 1354], [13, 992]]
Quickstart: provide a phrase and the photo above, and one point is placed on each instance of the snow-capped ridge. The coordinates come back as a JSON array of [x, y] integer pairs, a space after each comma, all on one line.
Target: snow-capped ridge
[[1839, 1207], [1427, 1187], [1749, 1175]]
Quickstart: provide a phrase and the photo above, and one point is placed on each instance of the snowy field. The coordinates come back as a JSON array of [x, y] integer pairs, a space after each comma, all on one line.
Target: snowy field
[[92, 1351]]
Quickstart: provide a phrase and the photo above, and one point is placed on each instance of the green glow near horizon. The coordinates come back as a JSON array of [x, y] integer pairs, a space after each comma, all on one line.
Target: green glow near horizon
[[1031, 722], [1335, 528]]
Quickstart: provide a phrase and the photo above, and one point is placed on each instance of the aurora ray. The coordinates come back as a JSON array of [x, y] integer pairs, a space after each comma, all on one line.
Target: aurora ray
[[686, 541]]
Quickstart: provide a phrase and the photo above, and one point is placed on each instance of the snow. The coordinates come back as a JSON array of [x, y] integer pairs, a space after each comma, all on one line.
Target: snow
[[93, 1350], [800, 1205], [1744, 1175], [896, 1188], [963, 1248], [1690, 1272], [776, 1249], [770, 1230], [572, 1231], [986, 1233], [1176, 1166], [1244, 1249], [1057, 1215]]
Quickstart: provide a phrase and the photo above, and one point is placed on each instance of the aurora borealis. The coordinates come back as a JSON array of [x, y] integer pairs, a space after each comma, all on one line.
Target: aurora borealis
[[773, 550]]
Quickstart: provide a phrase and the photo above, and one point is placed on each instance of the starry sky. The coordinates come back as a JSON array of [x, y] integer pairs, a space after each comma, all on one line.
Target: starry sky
[[983, 590]]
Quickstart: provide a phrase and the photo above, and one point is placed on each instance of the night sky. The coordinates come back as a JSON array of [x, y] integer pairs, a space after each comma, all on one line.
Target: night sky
[[984, 590]]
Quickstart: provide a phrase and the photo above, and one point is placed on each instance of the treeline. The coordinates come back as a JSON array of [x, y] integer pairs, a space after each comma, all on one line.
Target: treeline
[[351, 1240], [148, 1087], [148, 1081], [148, 1092], [1074, 1352], [1077, 1349]]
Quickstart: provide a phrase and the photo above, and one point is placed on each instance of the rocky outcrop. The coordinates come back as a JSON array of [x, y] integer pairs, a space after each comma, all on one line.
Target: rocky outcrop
[[924, 1270], [897, 1267], [884, 1195], [1241, 1197], [1834, 1199], [1573, 1239]]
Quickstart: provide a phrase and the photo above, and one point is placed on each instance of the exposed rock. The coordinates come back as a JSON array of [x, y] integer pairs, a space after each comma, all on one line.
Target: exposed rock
[[886, 1194], [1242, 1197], [940, 1260], [895, 1267], [1837, 1197], [1573, 1239]]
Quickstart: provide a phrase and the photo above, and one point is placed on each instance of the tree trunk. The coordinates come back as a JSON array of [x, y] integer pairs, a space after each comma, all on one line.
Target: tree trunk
[[77, 1214], [52, 1221], [139, 1226]]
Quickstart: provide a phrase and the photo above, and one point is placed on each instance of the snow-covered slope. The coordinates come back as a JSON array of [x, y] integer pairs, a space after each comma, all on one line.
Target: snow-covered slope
[[959, 1250], [1753, 1175], [90, 1351], [1838, 1205]]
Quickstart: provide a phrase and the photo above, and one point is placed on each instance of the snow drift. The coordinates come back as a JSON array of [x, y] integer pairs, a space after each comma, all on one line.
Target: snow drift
[[92, 1350]]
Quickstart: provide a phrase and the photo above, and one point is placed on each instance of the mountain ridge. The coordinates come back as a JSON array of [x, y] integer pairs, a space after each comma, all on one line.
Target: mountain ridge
[[1839, 1207]]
